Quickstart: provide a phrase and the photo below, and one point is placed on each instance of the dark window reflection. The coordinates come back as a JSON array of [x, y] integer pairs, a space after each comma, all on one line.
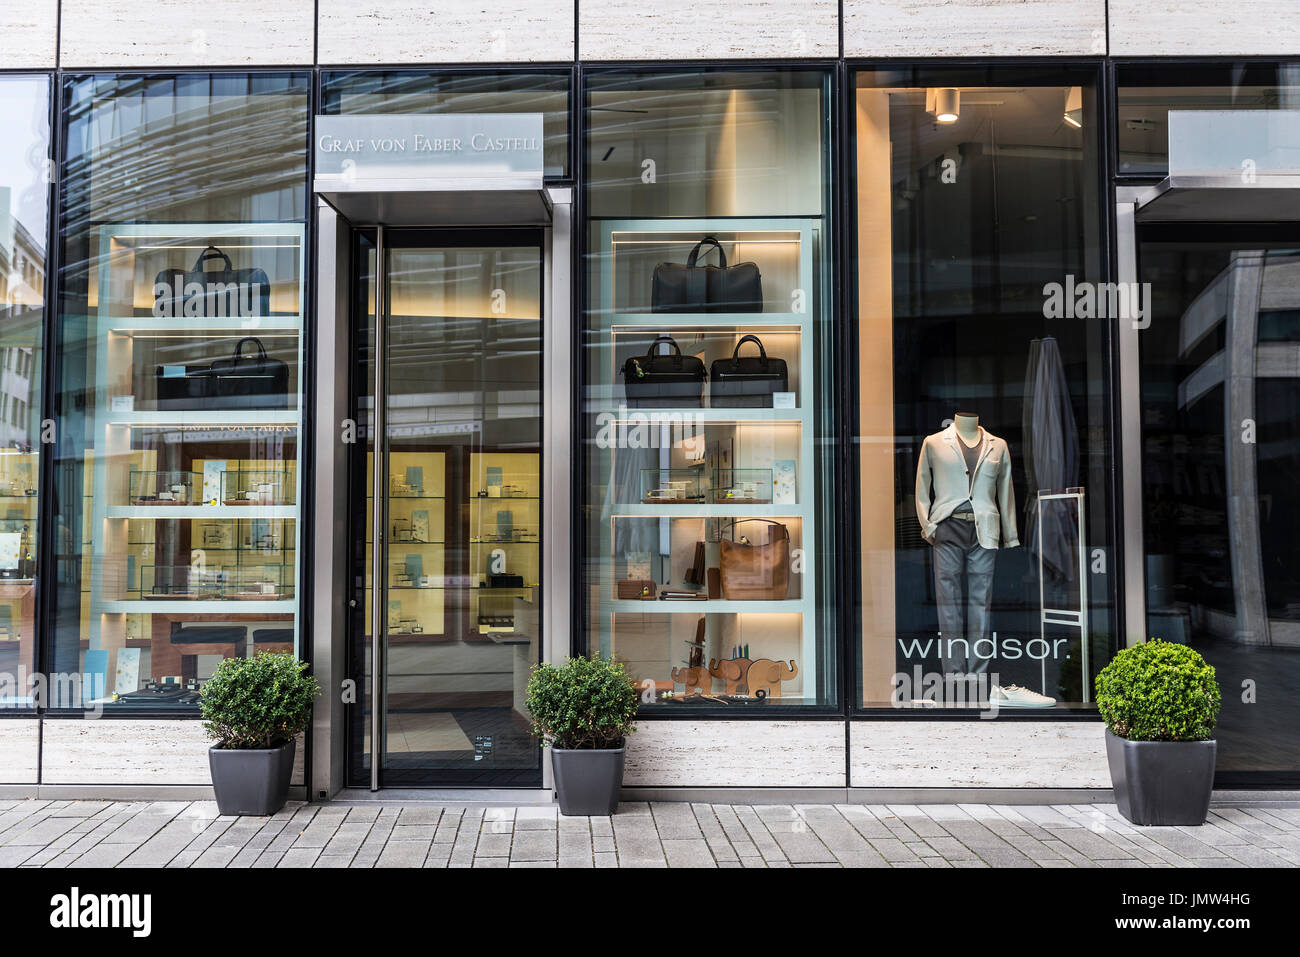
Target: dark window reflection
[[1221, 463]]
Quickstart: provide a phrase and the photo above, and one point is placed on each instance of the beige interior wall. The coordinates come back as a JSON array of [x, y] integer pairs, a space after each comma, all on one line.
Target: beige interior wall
[[876, 393]]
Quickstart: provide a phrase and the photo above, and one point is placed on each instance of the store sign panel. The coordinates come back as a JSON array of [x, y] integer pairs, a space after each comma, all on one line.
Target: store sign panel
[[454, 146], [1237, 142]]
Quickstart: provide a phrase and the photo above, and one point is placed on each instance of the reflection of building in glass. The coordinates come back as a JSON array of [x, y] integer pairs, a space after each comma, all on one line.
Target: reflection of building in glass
[[22, 295], [1243, 329]]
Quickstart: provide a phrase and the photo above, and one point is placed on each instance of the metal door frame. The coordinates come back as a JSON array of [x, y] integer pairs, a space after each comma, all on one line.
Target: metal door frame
[[329, 536]]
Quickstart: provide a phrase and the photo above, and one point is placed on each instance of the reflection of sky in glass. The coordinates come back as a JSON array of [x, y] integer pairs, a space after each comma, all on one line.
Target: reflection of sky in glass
[[24, 144]]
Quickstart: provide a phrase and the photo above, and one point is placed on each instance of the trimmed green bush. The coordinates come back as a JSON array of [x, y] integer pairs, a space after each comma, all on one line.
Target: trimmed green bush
[[585, 703], [1159, 691], [261, 702]]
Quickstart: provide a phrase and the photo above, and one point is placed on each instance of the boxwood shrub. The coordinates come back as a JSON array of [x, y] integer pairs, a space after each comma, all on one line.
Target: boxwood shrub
[[585, 703], [261, 702], [1159, 691]]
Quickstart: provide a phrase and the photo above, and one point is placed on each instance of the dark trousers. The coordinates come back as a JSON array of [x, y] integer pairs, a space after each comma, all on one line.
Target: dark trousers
[[963, 585]]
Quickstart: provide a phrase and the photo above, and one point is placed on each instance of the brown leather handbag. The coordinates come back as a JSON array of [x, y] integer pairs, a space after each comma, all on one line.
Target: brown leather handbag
[[757, 572]]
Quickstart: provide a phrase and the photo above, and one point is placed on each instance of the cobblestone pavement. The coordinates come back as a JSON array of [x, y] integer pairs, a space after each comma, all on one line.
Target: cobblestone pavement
[[42, 833]]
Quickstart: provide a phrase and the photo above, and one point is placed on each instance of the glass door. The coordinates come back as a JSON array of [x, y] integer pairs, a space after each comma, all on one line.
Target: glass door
[[452, 517], [1220, 365]]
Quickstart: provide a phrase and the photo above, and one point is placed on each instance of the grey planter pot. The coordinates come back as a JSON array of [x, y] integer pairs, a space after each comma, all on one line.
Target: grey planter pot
[[588, 782], [1162, 782], [251, 783]]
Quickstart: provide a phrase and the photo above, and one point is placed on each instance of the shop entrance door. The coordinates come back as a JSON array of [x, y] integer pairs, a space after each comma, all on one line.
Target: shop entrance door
[[447, 497], [1220, 388]]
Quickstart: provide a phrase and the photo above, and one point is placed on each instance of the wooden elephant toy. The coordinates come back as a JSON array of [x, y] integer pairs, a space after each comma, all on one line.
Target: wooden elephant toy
[[732, 672], [697, 680], [766, 675]]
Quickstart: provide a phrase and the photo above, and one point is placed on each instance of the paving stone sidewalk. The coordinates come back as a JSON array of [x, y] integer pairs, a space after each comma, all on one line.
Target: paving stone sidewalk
[[43, 833]]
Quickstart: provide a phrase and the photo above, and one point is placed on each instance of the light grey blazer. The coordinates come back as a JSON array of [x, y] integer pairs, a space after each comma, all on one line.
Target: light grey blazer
[[942, 484]]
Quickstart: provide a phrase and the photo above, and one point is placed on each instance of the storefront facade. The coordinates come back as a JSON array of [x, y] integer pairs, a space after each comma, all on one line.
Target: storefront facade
[[994, 374]]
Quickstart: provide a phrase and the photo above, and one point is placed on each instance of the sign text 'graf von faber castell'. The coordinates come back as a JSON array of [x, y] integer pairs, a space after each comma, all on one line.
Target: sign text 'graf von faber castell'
[[417, 146]]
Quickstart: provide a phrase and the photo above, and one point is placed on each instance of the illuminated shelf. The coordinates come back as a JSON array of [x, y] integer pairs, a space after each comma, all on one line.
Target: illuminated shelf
[[207, 606], [193, 327], [158, 512]]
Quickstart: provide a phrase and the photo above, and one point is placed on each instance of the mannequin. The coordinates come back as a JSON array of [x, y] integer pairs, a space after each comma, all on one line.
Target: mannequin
[[967, 425], [966, 506]]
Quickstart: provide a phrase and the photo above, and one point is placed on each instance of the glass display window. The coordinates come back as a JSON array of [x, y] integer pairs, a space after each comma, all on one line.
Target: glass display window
[[182, 340], [1146, 92], [709, 548], [983, 440], [24, 228]]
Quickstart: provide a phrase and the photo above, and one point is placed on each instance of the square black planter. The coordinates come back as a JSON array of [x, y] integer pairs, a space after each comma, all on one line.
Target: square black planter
[[1162, 782], [251, 783], [588, 782]]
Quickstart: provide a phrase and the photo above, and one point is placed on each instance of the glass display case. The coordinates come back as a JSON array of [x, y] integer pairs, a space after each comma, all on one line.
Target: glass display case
[[706, 347], [272, 485], [504, 538], [711, 473], [191, 488], [669, 486], [745, 486], [168, 487], [418, 543]]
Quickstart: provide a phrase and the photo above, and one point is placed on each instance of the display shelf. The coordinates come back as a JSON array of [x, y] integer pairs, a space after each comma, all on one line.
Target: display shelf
[[157, 512], [136, 333], [710, 606], [758, 440], [213, 417], [644, 322], [185, 606], [707, 510], [702, 416], [188, 326]]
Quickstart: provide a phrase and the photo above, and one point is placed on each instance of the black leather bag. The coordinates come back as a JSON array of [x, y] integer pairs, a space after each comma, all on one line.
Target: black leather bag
[[240, 382], [239, 290], [747, 382], [664, 381], [694, 288]]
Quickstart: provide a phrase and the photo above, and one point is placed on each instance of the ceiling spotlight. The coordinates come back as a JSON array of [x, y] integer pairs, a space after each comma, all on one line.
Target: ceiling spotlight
[[1074, 107], [947, 105]]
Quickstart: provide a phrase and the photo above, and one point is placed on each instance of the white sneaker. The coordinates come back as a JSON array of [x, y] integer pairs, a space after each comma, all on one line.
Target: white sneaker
[[1014, 696]]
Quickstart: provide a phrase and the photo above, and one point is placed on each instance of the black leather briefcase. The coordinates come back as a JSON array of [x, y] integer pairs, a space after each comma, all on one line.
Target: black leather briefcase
[[694, 288], [747, 382], [240, 382], [664, 381], [234, 292]]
